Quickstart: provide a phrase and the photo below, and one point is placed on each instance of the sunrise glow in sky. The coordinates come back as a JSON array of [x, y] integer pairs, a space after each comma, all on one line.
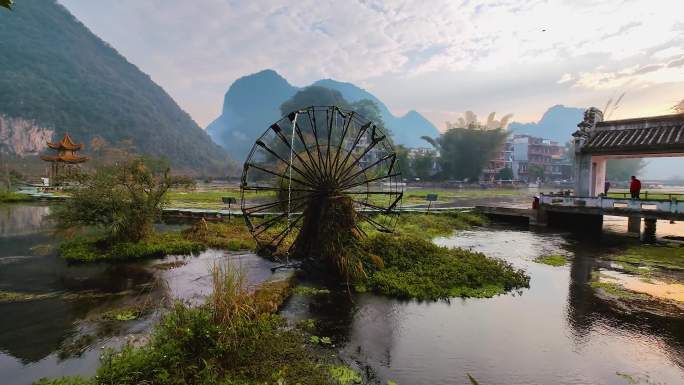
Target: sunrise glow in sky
[[437, 57]]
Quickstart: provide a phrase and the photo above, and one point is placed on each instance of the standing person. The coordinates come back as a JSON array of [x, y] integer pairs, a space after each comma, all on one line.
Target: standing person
[[635, 187], [606, 187]]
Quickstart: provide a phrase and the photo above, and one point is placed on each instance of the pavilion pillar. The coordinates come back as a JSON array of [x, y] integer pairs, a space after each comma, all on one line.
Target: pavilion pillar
[[634, 226], [649, 230]]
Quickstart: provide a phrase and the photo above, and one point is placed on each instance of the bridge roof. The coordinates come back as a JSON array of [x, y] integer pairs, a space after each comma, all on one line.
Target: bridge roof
[[640, 136]]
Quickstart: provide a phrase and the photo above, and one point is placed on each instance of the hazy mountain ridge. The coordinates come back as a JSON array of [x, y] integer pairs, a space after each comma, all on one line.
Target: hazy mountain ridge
[[558, 123], [56, 73], [253, 102]]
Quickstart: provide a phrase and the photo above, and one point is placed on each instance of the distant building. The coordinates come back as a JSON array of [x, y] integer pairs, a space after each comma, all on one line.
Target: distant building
[[503, 159], [547, 154]]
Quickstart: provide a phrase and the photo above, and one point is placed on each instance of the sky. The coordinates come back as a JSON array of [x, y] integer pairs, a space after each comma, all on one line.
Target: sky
[[438, 57]]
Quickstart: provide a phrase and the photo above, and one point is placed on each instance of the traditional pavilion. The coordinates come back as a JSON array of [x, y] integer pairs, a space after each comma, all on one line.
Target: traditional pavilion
[[66, 159]]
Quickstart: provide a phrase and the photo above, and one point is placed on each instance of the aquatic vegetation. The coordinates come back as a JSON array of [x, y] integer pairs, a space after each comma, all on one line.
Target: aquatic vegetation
[[552, 260], [614, 289], [344, 375], [416, 268], [669, 256], [428, 226], [320, 340], [13, 296], [233, 338], [170, 265], [12, 197], [42, 249], [308, 290], [91, 249], [124, 314]]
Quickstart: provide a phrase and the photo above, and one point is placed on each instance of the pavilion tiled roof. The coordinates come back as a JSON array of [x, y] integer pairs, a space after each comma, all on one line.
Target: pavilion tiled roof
[[651, 135], [65, 144]]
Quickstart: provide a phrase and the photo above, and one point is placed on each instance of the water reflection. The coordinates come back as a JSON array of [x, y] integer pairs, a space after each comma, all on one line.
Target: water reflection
[[64, 333], [557, 332]]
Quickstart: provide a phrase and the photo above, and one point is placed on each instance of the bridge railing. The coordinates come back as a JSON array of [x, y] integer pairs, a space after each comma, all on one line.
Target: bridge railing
[[616, 204]]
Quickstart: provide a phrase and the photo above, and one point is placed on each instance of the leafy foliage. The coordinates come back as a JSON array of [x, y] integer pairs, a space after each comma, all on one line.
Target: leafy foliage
[[322, 96], [623, 169], [464, 152], [55, 71], [123, 200], [505, 174]]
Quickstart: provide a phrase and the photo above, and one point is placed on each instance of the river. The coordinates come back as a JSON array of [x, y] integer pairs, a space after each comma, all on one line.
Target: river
[[65, 333], [557, 332]]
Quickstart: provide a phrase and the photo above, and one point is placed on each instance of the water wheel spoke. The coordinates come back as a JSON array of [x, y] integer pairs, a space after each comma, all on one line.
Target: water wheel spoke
[[363, 170], [310, 178], [283, 176], [258, 208], [278, 131], [378, 226], [368, 181]]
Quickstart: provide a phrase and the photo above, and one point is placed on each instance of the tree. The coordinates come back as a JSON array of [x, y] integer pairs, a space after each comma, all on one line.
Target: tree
[[123, 200], [403, 162], [422, 165], [6, 4], [535, 172], [464, 152], [623, 169], [505, 174], [313, 96]]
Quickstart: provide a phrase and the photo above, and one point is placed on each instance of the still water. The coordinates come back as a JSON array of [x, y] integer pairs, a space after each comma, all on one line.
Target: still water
[[556, 332], [65, 333]]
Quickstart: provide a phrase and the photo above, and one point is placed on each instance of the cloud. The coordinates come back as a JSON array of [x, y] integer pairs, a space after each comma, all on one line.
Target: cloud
[[196, 51], [565, 78]]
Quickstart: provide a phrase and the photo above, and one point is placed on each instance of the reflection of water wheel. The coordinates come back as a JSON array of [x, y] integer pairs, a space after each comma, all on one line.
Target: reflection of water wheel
[[315, 162]]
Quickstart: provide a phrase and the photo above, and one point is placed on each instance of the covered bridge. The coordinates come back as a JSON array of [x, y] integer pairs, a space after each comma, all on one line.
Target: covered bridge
[[597, 140]]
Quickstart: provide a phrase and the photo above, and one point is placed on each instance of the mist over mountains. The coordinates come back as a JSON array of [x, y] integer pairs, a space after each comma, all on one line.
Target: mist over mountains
[[253, 102], [56, 76]]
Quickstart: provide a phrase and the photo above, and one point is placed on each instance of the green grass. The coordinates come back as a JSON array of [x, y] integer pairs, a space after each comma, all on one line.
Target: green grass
[[230, 235], [417, 268], [12, 197], [615, 290], [93, 249], [552, 260], [210, 198], [428, 226], [661, 256]]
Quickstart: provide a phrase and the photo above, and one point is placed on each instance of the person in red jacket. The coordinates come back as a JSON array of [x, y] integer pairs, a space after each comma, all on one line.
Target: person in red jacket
[[635, 187]]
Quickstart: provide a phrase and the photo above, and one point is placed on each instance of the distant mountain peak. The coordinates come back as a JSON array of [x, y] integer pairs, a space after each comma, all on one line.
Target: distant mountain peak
[[252, 103]]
